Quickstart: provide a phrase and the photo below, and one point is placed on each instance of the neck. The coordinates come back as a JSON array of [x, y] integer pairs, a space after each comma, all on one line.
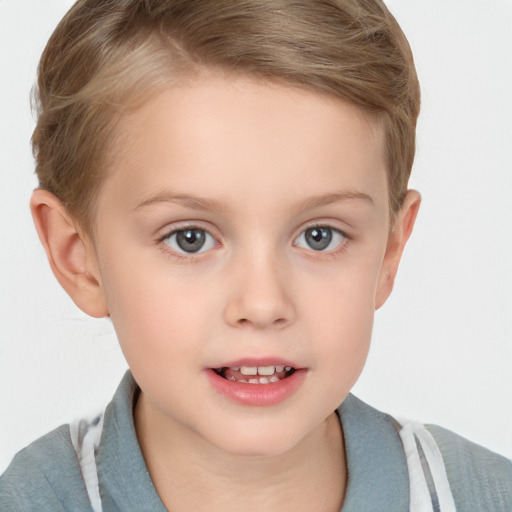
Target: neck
[[190, 474]]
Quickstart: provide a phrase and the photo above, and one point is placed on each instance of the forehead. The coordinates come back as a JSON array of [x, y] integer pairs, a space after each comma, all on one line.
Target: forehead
[[221, 134]]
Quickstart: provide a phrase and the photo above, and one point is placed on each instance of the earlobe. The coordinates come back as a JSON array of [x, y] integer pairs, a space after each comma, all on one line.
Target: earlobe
[[400, 233], [69, 253]]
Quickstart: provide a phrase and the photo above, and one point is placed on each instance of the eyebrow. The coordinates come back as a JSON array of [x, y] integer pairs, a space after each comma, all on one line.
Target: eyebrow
[[207, 204], [326, 199], [195, 203]]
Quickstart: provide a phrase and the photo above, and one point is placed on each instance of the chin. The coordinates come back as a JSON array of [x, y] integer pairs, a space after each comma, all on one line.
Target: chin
[[258, 444]]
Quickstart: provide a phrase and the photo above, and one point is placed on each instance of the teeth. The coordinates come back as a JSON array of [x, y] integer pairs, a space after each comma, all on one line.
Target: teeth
[[249, 370], [259, 380], [261, 370], [258, 374], [262, 380]]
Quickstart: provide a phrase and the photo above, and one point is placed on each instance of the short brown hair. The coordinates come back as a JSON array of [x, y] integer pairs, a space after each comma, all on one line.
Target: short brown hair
[[105, 57]]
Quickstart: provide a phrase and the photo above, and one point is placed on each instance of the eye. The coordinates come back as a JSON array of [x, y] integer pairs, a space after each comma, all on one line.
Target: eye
[[320, 238], [189, 241]]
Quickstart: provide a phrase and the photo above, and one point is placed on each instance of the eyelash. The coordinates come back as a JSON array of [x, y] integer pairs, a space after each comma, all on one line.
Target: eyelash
[[342, 246]]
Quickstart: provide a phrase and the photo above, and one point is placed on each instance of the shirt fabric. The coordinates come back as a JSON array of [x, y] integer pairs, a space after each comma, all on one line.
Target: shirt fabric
[[46, 475]]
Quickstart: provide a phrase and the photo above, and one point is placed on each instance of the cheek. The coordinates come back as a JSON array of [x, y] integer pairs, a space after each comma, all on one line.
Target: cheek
[[153, 311], [340, 307], [344, 334]]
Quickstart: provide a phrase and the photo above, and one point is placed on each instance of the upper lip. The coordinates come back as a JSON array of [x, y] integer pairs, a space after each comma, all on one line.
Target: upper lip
[[258, 361]]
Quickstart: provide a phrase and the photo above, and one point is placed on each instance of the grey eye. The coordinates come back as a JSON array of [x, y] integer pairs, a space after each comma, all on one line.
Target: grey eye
[[190, 241], [320, 238]]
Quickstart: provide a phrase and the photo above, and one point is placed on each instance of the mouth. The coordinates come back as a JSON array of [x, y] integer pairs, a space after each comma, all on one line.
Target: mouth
[[255, 374], [257, 383]]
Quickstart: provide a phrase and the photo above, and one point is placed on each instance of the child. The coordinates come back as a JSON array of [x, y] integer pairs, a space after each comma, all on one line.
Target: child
[[227, 181]]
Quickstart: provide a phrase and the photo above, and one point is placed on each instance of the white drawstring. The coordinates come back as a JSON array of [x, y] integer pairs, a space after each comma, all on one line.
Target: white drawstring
[[429, 487], [86, 454]]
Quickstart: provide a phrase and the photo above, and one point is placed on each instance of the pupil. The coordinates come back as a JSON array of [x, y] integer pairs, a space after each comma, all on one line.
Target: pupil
[[318, 238], [190, 240]]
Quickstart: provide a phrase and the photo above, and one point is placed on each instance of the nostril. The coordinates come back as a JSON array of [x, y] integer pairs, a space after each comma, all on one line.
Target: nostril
[[279, 322]]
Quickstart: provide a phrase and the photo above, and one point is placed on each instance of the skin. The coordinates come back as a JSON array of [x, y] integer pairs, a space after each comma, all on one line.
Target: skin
[[253, 165]]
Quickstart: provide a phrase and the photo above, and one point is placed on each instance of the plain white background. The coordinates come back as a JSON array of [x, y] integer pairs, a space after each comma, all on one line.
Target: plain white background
[[442, 348]]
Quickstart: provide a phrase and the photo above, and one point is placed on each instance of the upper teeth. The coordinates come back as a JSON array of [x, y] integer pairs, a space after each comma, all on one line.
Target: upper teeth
[[262, 370]]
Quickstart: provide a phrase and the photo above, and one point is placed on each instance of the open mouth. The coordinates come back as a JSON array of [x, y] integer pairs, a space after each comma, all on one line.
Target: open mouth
[[274, 382], [255, 374]]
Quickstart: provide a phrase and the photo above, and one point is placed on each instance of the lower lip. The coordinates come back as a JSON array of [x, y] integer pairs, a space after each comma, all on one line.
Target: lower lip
[[259, 395]]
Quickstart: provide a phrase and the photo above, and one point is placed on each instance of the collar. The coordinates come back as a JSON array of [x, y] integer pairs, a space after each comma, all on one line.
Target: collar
[[377, 468]]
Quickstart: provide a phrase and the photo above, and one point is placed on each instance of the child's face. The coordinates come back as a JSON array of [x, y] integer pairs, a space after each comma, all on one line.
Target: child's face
[[244, 225]]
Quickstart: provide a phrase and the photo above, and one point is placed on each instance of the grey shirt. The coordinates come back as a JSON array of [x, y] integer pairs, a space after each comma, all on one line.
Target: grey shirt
[[46, 476]]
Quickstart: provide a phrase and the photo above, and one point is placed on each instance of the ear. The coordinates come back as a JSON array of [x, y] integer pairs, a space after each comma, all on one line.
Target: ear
[[70, 253], [400, 233]]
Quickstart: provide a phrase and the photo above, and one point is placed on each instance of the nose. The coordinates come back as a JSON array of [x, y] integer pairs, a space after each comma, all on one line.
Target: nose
[[259, 295]]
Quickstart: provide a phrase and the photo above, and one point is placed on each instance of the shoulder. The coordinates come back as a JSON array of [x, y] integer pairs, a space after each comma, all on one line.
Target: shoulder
[[478, 477], [45, 476]]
